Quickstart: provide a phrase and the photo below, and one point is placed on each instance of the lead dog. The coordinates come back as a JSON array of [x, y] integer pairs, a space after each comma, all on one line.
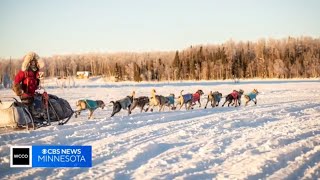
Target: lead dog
[[252, 96], [236, 96], [86, 104], [124, 103], [189, 99], [214, 98]]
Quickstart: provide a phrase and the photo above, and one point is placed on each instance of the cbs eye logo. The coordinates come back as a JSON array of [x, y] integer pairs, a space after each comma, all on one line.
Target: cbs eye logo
[[20, 156]]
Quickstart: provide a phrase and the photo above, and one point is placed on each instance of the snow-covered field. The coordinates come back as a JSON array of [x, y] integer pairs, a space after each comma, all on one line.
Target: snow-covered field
[[279, 138]]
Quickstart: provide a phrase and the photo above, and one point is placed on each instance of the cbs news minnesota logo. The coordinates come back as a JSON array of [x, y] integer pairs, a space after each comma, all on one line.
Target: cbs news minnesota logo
[[20, 156], [51, 156]]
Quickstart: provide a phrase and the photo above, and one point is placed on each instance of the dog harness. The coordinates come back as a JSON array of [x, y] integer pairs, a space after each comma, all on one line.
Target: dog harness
[[91, 104], [252, 95], [217, 97], [234, 94], [187, 97], [195, 97], [171, 99]]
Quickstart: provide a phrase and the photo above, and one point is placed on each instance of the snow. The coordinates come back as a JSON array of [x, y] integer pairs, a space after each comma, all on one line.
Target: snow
[[279, 138]]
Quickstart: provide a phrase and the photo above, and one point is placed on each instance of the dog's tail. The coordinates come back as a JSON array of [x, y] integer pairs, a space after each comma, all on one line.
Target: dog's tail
[[112, 102], [181, 92]]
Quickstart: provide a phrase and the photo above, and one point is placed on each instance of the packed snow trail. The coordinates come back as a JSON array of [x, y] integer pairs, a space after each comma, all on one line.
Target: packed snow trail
[[278, 138]]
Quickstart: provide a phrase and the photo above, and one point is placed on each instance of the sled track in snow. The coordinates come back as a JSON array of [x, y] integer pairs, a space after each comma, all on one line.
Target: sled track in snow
[[278, 138], [210, 141]]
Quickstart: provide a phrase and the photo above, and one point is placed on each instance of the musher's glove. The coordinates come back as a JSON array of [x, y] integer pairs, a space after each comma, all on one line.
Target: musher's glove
[[26, 98], [17, 89]]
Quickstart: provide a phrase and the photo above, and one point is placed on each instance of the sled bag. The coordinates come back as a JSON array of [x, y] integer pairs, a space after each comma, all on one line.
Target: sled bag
[[59, 107], [14, 114]]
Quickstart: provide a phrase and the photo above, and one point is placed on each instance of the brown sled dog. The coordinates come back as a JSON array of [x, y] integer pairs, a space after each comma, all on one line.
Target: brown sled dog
[[86, 104]]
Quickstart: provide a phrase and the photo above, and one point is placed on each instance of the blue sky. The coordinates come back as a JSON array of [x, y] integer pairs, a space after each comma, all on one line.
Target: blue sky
[[51, 27]]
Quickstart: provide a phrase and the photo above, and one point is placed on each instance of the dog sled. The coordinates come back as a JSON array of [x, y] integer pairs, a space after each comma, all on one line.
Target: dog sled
[[47, 109]]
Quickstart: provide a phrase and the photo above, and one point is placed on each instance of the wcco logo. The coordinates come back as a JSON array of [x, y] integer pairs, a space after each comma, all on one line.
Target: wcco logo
[[20, 156]]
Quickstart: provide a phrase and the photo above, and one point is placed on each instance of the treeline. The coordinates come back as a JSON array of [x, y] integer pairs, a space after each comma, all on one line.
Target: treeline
[[284, 58]]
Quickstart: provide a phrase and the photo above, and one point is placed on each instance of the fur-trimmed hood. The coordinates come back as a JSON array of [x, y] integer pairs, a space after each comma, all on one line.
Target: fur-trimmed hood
[[28, 58]]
